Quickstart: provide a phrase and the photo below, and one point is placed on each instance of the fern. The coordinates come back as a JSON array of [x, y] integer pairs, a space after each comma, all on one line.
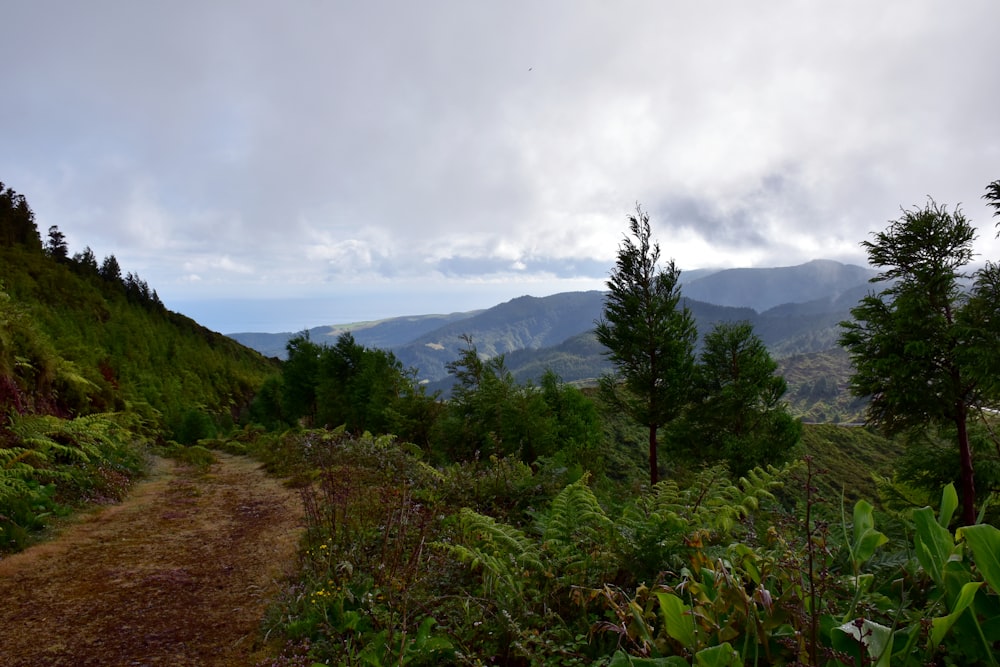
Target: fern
[[576, 531], [57, 439], [506, 556], [655, 529]]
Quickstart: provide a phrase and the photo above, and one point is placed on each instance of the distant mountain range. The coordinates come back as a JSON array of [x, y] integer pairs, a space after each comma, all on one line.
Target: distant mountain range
[[795, 310]]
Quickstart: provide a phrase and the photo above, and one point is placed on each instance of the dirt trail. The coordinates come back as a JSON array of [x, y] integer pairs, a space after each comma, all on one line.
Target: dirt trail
[[179, 574]]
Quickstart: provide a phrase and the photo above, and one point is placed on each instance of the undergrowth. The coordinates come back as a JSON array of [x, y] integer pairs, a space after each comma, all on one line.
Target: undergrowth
[[492, 562]]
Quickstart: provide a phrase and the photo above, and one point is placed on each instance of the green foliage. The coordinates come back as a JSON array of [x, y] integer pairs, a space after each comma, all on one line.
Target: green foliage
[[855, 460], [737, 415], [708, 571], [818, 387], [659, 526], [919, 345], [85, 347], [489, 414], [48, 463], [196, 456], [346, 385], [649, 335], [17, 221], [366, 565]]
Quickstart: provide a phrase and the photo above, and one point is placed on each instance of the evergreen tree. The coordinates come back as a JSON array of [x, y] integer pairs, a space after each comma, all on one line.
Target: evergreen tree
[[650, 337], [17, 221], [992, 198], [491, 414], [86, 261], [920, 346], [299, 377], [738, 414], [56, 247], [110, 270]]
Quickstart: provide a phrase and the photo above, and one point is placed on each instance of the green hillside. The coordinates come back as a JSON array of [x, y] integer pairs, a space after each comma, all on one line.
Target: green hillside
[[121, 351], [93, 369]]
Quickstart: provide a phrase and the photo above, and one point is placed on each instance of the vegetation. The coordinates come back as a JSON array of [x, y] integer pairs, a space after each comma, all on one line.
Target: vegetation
[[94, 370], [649, 336], [514, 523], [496, 563], [737, 414], [925, 349]]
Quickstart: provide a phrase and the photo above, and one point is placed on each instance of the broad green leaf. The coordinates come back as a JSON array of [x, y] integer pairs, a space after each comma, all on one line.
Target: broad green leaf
[[866, 538], [984, 541], [933, 543], [677, 619], [875, 638], [949, 503], [722, 655], [941, 625]]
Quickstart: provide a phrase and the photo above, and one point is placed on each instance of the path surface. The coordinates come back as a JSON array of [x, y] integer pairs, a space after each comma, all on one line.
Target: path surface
[[179, 574]]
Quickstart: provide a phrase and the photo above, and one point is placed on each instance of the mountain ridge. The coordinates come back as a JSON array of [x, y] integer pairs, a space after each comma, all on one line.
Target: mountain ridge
[[535, 332]]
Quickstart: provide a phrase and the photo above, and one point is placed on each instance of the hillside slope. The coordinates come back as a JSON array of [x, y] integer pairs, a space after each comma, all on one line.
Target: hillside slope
[[72, 343]]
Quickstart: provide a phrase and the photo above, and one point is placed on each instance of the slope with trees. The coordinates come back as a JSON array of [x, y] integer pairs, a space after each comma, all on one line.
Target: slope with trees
[[92, 367]]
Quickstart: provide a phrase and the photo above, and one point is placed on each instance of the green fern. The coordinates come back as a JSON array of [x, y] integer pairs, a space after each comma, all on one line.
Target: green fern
[[657, 527], [508, 558], [58, 439], [576, 532]]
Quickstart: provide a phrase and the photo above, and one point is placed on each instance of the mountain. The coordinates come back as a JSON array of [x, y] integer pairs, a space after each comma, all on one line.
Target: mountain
[[384, 334], [762, 289], [795, 310]]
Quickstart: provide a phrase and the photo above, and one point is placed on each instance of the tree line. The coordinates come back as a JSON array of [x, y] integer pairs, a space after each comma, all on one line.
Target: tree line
[[725, 406], [19, 229]]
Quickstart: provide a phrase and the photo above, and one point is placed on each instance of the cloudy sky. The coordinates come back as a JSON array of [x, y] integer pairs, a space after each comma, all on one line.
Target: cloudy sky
[[273, 166]]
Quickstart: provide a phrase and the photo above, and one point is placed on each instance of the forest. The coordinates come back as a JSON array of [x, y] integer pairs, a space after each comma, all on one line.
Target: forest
[[678, 513]]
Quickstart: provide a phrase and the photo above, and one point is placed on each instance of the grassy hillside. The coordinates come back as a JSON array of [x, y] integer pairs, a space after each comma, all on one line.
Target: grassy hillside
[[92, 369], [124, 351], [818, 387], [847, 459]]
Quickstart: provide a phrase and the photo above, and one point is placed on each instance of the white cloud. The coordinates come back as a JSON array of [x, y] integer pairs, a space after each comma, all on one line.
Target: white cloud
[[318, 143]]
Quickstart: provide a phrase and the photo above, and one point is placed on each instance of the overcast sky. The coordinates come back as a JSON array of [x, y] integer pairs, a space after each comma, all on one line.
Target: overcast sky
[[272, 166]]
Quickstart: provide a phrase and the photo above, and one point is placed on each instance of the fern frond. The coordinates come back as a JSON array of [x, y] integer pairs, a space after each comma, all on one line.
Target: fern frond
[[506, 556], [576, 531]]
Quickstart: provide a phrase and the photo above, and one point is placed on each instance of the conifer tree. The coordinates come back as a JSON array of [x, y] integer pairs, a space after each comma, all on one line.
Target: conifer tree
[[649, 335], [920, 346]]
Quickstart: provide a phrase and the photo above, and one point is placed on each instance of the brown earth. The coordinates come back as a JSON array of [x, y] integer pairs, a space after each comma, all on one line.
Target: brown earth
[[179, 574]]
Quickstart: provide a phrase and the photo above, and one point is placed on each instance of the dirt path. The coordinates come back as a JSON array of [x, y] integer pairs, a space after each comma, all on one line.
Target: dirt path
[[179, 574]]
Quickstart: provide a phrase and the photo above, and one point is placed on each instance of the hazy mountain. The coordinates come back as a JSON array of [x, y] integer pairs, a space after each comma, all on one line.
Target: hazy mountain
[[762, 289], [795, 310], [524, 323], [385, 334]]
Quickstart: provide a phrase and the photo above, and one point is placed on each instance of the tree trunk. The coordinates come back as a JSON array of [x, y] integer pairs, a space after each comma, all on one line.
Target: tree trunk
[[967, 479], [654, 470]]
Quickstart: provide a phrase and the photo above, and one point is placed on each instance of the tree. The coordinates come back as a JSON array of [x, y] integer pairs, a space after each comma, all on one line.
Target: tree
[[992, 198], [17, 221], [737, 414], [919, 345], [56, 247], [86, 261], [299, 375], [649, 336], [490, 414], [110, 270]]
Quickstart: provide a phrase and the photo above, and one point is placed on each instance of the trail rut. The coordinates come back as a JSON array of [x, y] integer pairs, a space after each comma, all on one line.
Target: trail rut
[[178, 574]]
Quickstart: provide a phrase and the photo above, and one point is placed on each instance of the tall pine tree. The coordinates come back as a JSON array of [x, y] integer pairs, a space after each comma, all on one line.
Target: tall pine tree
[[650, 337]]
